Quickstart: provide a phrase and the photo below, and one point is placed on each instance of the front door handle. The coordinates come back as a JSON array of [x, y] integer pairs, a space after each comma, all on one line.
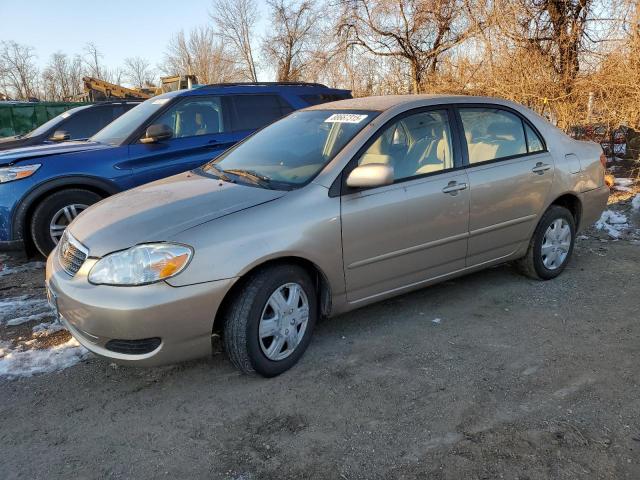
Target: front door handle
[[540, 168], [454, 187]]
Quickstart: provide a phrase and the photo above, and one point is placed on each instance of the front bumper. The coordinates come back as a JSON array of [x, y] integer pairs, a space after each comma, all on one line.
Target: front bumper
[[182, 317]]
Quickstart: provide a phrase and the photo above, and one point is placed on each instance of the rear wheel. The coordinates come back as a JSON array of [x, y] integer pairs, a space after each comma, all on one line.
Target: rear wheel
[[269, 323], [52, 216], [551, 245]]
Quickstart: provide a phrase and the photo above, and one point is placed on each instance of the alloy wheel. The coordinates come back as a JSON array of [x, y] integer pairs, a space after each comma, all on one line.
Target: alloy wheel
[[62, 218]]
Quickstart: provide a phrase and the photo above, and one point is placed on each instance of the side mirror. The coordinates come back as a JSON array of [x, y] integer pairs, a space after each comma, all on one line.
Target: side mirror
[[60, 136], [157, 133], [370, 175]]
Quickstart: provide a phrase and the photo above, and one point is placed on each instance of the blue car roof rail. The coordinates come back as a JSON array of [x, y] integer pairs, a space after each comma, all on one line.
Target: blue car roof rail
[[267, 84]]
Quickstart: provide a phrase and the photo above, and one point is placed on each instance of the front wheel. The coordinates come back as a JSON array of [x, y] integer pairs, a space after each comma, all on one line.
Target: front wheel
[[269, 323], [52, 216], [551, 245]]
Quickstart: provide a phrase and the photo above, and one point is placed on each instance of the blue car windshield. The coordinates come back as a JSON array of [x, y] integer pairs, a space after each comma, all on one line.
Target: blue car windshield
[[291, 152], [119, 130]]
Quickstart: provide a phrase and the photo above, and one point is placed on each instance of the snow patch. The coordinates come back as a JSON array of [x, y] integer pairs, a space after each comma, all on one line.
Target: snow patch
[[22, 362], [613, 223], [7, 270], [46, 329], [436, 320], [624, 182], [17, 310]]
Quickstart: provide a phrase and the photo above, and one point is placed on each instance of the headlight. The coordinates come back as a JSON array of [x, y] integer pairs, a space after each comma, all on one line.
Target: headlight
[[8, 174], [141, 264]]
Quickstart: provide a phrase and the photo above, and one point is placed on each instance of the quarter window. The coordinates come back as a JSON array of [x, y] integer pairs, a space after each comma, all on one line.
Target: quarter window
[[533, 140], [492, 134], [414, 145]]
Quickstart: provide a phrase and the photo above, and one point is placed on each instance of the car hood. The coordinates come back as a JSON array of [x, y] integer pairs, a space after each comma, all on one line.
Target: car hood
[[27, 153], [159, 210]]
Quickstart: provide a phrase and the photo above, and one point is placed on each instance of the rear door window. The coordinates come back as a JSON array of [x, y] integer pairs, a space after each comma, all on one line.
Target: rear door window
[[492, 133], [251, 112]]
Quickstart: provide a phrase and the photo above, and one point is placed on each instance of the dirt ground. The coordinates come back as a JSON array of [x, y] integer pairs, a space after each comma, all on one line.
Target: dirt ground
[[489, 376]]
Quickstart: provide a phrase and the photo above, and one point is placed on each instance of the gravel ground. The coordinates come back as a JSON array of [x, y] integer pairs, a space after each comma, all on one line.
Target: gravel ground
[[489, 376]]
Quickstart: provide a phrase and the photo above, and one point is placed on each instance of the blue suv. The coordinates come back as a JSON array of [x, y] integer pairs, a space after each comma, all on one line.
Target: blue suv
[[42, 189]]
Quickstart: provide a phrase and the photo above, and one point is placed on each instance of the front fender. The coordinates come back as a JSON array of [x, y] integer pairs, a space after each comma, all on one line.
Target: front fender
[[37, 192], [304, 224]]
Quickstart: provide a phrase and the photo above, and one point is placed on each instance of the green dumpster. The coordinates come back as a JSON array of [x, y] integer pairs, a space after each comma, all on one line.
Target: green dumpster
[[17, 118]]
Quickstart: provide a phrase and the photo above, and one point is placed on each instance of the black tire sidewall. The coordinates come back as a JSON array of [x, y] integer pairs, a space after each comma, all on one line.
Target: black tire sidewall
[[48, 207], [276, 278], [549, 217]]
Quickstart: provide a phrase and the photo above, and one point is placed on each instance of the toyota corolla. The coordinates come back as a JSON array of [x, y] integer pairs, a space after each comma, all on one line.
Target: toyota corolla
[[329, 209]]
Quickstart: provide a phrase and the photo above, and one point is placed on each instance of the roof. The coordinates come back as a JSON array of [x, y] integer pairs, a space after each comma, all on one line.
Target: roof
[[385, 102], [231, 88]]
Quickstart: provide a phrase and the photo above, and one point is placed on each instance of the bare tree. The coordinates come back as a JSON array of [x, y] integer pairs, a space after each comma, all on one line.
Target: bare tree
[[563, 32], [235, 22], [92, 59], [199, 53], [62, 77], [417, 31], [138, 71], [293, 42], [18, 70]]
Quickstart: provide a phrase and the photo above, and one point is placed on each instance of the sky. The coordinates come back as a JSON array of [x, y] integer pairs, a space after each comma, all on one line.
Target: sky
[[119, 28]]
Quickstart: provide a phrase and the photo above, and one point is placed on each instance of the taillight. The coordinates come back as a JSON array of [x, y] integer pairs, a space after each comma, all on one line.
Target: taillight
[[603, 160]]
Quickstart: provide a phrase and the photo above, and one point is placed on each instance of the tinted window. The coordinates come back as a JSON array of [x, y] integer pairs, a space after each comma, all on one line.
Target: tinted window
[[319, 98], [319, 136], [533, 140], [492, 133], [119, 130], [414, 145], [193, 117], [251, 112], [86, 122]]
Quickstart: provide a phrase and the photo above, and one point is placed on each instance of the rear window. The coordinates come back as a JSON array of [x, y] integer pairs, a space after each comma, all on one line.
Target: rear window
[[318, 98]]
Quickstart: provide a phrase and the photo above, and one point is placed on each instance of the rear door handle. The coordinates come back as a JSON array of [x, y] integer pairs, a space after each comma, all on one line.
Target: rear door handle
[[454, 187], [540, 168]]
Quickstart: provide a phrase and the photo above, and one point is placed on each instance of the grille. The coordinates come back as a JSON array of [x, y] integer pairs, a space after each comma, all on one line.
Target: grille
[[133, 347], [71, 253]]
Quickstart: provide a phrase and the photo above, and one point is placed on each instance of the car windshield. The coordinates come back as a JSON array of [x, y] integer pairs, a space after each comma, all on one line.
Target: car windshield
[[119, 130], [53, 122], [291, 151]]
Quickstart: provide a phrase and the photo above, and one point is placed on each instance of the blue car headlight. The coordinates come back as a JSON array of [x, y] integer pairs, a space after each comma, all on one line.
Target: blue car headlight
[[9, 174]]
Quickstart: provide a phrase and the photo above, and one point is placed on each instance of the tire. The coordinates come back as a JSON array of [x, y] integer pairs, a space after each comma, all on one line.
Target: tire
[[49, 207], [242, 320], [533, 263]]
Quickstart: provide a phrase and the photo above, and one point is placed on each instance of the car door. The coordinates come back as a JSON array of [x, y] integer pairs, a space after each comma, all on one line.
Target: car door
[[201, 129], [510, 174], [416, 229]]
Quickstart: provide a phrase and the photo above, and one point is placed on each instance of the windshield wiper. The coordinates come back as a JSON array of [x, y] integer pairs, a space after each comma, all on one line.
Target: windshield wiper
[[257, 178], [219, 172]]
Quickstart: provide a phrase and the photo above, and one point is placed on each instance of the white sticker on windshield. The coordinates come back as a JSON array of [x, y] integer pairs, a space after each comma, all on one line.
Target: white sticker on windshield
[[160, 101], [345, 118]]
